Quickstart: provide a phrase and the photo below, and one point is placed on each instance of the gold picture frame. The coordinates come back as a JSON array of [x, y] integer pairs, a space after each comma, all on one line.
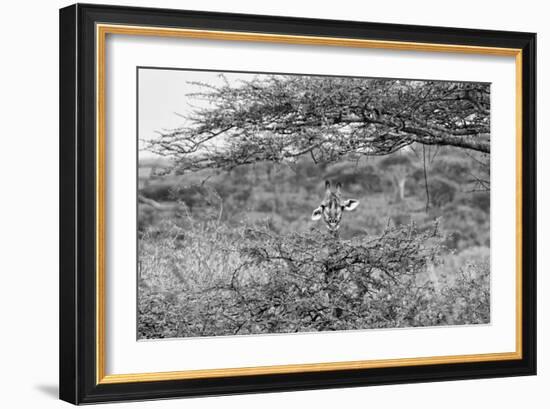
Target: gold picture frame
[[97, 20]]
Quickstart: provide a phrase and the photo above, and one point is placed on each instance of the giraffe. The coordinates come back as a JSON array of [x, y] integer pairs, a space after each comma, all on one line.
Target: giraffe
[[332, 207]]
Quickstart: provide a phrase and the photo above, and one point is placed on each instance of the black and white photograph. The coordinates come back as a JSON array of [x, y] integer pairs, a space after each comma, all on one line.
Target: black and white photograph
[[248, 204], [282, 203]]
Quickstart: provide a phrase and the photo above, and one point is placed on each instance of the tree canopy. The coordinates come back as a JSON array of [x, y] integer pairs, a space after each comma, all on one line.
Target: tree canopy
[[280, 118]]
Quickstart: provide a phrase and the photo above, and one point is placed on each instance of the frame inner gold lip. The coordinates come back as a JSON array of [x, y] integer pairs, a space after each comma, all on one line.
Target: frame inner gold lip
[[101, 32]]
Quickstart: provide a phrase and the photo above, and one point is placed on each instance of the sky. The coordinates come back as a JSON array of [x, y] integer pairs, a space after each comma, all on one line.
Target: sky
[[164, 93]]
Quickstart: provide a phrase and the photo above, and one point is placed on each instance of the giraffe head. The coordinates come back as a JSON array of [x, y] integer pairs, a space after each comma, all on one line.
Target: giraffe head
[[332, 207]]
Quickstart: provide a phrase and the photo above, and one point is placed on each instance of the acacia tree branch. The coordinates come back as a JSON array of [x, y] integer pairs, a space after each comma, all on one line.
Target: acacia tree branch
[[280, 118]]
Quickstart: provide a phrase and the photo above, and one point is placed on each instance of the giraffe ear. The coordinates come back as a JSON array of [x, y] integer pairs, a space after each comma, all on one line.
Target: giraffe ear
[[350, 204], [316, 215]]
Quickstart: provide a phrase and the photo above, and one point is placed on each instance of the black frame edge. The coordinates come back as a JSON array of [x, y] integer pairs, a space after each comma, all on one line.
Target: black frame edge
[[68, 388], [529, 203], [77, 205]]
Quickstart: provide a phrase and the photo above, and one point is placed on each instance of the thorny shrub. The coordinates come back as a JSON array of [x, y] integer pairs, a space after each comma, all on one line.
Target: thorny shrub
[[205, 279]]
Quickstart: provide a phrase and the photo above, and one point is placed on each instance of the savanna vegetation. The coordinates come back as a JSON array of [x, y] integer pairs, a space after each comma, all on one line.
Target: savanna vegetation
[[226, 241]]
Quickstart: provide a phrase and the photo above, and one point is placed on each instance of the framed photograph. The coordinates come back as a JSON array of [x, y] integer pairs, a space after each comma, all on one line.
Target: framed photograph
[[257, 203]]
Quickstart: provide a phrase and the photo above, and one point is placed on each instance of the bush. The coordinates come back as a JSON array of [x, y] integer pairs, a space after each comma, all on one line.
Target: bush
[[453, 168], [219, 281], [469, 226], [468, 301], [442, 191]]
